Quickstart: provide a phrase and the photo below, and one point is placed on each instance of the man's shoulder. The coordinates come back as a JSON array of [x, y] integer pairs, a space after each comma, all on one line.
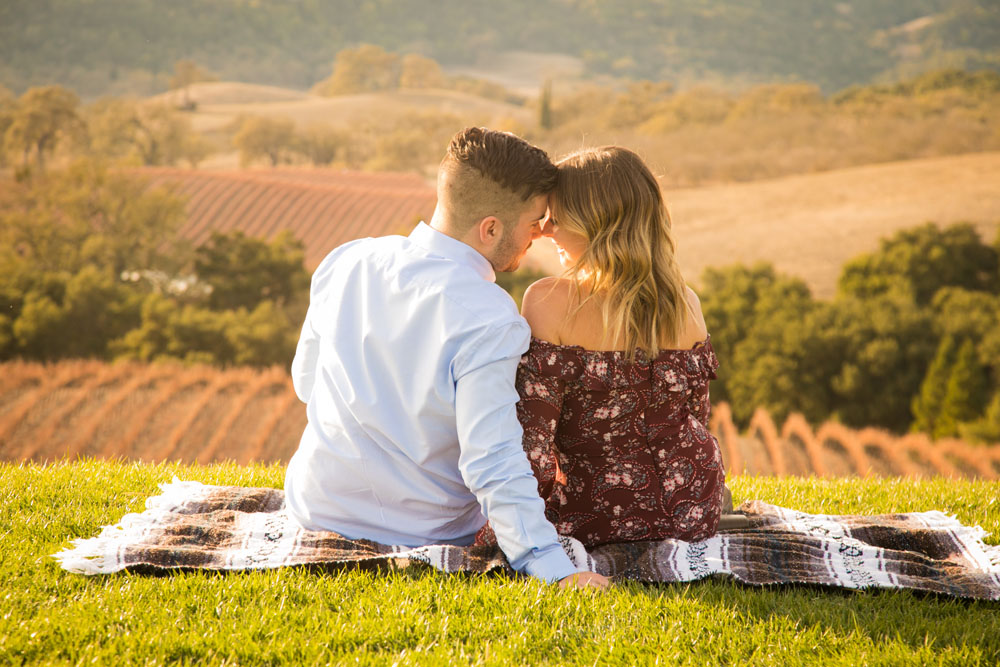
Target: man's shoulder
[[356, 251], [485, 300], [461, 290], [363, 247], [413, 271]]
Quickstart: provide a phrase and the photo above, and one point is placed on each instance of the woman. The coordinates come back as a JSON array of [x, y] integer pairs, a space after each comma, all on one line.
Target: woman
[[614, 387]]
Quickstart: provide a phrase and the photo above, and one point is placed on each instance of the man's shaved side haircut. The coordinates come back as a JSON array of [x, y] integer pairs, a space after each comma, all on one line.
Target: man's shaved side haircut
[[489, 173]]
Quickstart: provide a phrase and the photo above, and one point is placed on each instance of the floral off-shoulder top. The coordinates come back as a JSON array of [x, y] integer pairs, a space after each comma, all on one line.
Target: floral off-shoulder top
[[621, 450]]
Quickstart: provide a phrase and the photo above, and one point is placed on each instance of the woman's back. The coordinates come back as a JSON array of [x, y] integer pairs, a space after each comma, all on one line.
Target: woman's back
[[620, 445], [555, 314]]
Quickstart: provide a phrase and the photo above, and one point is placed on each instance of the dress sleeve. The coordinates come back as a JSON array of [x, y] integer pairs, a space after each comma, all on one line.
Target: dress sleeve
[[541, 399], [541, 385], [699, 402]]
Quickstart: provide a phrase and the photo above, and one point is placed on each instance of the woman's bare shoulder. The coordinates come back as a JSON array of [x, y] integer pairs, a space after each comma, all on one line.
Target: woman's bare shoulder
[[545, 305], [693, 301], [695, 329]]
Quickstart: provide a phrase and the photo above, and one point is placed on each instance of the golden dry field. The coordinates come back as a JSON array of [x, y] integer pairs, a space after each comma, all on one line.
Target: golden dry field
[[810, 225], [221, 103], [160, 412], [525, 72]]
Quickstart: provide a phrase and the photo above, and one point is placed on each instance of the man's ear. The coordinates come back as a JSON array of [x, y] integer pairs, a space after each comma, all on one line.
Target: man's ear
[[490, 230]]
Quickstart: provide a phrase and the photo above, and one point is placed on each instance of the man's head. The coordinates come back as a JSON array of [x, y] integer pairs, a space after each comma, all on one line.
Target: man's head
[[492, 191]]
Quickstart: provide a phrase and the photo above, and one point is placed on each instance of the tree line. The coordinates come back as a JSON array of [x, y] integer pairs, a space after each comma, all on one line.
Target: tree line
[[127, 46], [50, 121], [690, 136], [911, 341], [91, 266]]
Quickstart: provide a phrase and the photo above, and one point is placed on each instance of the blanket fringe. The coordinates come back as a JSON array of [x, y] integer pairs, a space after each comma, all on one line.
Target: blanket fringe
[[98, 555], [88, 556], [993, 553]]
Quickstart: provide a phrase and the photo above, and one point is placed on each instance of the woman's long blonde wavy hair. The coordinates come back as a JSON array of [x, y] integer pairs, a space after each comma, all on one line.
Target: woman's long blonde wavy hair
[[610, 197]]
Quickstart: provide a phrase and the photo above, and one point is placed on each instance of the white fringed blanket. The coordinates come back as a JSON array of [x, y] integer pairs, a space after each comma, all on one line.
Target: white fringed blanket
[[196, 526]]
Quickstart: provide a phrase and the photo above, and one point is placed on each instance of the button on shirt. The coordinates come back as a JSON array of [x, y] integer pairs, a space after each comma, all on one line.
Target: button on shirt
[[406, 364]]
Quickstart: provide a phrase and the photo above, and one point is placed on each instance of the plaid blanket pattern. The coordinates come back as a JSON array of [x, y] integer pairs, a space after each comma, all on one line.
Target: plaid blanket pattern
[[192, 526]]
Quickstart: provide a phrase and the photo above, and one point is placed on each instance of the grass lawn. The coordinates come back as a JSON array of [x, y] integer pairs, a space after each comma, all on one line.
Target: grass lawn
[[295, 616]]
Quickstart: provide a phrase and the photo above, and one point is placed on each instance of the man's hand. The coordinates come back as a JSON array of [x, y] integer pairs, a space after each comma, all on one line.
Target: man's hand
[[585, 580]]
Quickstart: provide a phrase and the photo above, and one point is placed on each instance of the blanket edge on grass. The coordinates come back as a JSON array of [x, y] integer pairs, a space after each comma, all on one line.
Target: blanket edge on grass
[[191, 525]]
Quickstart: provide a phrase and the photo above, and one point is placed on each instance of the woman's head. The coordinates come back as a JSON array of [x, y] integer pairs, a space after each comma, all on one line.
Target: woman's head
[[611, 223]]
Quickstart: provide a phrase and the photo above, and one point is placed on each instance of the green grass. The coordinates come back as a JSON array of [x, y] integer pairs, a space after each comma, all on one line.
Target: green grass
[[295, 616]]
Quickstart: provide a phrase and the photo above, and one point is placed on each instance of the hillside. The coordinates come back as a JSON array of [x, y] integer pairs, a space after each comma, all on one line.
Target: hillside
[[151, 413], [809, 225], [219, 104], [322, 207], [117, 46], [200, 414]]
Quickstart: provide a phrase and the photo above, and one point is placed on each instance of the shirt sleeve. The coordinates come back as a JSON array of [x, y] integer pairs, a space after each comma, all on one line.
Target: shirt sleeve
[[306, 358], [307, 350], [493, 463]]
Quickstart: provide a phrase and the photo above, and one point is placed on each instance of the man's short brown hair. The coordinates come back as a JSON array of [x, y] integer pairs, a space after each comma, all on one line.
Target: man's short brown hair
[[490, 173]]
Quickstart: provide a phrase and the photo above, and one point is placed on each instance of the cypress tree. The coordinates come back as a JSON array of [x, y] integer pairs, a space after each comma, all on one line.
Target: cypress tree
[[965, 394], [927, 404], [545, 106], [986, 429]]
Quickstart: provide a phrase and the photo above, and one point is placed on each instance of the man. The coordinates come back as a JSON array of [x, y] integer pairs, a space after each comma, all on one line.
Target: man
[[406, 363]]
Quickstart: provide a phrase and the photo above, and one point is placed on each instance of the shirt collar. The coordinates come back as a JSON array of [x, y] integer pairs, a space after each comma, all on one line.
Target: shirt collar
[[441, 244]]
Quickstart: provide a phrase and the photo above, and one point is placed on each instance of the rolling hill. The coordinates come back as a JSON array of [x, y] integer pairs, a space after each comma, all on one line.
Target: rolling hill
[[220, 104]]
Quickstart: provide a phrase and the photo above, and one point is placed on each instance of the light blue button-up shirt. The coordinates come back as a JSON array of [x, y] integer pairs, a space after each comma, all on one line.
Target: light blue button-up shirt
[[406, 364]]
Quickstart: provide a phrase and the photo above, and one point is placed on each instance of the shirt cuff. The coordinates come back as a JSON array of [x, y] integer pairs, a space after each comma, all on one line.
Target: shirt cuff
[[550, 566]]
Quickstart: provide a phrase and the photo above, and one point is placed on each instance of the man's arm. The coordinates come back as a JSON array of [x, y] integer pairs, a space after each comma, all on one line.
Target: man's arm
[[306, 357], [496, 469], [307, 350]]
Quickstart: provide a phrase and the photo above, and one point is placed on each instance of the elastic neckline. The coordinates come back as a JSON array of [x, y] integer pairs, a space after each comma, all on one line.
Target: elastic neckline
[[700, 345]]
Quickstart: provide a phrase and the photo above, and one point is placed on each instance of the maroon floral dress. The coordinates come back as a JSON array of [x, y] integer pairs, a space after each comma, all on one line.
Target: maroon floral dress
[[621, 449]]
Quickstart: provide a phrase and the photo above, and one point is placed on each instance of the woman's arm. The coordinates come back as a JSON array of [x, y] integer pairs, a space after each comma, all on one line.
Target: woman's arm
[[538, 411], [544, 306], [696, 332]]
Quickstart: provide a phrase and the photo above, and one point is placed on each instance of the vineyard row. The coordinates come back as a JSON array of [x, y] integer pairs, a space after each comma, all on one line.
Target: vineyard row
[[158, 412], [322, 208]]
